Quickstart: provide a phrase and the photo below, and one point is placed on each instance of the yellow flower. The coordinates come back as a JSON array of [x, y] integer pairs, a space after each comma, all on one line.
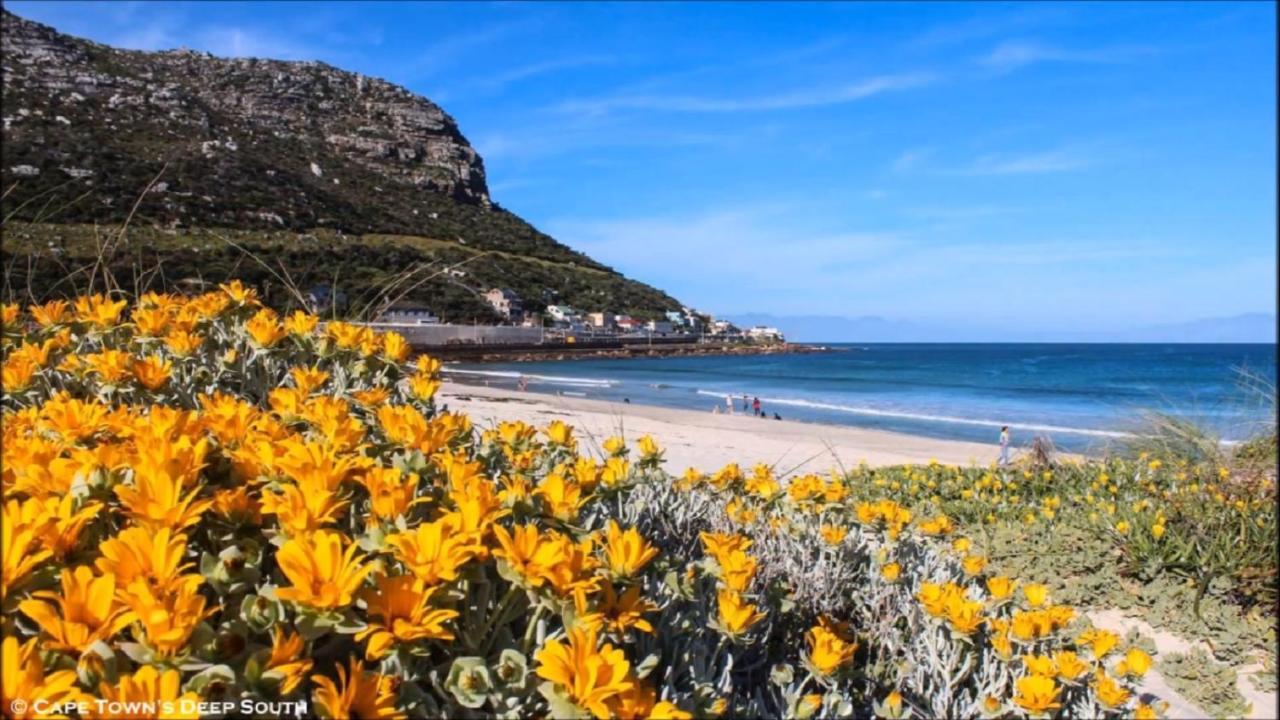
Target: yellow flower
[[98, 310], [300, 323], [1136, 663], [24, 679], [1000, 587], [54, 312], [561, 497], [616, 613], [391, 491], [1069, 665], [151, 321], [827, 650], [20, 533], [559, 433], [167, 619], [529, 553], [401, 606], [111, 366], [1035, 594], [1109, 691], [626, 553], [648, 447], [308, 380], [615, 445], [616, 470], [373, 397], [239, 294], [718, 545], [965, 616], [301, 510], [64, 521], [973, 564], [834, 535], [1037, 694], [735, 614], [140, 554], [1122, 527], [323, 569], [152, 693], [1157, 530], [85, 612], [423, 387], [152, 372], [368, 696], [1145, 712], [1100, 642], [737, 570], [940, 525], [183, 342], [156, 499], [16, 373], [286, 662], [1040, 665], [436, 551], [591, 676], [395, 347], [891, 572]]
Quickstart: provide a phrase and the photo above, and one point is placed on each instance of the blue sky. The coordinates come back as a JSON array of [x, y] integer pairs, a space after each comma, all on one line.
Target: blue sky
[[982, 167]]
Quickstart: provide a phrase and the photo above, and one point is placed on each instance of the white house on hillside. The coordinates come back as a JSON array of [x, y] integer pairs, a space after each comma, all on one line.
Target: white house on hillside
[[506, 302], [766, 333]]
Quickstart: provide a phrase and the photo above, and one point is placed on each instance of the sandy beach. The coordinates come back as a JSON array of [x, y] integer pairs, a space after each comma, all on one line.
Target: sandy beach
[[706, 440]]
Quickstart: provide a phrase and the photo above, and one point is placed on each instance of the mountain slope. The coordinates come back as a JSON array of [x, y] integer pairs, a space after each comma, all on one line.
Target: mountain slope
[[253, 145]]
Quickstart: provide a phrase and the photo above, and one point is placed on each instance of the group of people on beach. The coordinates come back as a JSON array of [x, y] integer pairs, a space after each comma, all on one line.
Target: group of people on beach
[[749, 405]]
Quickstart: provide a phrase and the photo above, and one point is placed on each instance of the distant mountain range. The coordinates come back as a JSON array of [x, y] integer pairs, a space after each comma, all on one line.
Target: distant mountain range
[[338, 177], [1246, 328]]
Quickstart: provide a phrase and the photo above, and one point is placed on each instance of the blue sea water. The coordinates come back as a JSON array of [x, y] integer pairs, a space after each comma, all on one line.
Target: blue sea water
[[1082, 396]]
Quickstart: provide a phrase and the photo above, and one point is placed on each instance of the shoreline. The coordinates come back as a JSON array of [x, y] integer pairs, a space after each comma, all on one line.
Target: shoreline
[[708, 441], [481, 353]]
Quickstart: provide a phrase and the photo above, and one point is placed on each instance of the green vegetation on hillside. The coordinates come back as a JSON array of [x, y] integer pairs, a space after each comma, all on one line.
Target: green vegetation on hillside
[[43, 261]]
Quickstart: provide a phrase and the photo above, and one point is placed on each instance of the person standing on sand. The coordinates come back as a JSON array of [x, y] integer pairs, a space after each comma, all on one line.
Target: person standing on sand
[[755, 405], [1004, 445], [728, 404], [746, 404]]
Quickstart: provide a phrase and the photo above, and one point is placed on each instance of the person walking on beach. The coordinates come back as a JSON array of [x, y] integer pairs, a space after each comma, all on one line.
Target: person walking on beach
[[1004, 445], [755, 405], [728, 404], [746, 404]]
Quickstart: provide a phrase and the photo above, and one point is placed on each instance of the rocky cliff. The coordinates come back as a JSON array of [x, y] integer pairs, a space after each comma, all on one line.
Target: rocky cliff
[[246, 144]]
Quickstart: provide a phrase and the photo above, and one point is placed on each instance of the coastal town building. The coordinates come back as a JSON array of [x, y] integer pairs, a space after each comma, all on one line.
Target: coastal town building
[[601, 321], [725, 328], [563, 314], [765, 333], [661, 327], [408, 312], [627, 324], [506, 303]]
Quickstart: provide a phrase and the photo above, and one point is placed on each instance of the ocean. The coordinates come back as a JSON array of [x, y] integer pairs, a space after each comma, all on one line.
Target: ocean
[[1084, 397]]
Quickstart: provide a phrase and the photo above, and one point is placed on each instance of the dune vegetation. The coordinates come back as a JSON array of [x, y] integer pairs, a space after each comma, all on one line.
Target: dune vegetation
[[207, 502]]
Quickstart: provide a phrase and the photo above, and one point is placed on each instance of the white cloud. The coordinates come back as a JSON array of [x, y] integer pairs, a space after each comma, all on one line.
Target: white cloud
[[500, 80], [1031, 164], [1035, 163], [910, 159], [808, 97], [1013, 54]]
